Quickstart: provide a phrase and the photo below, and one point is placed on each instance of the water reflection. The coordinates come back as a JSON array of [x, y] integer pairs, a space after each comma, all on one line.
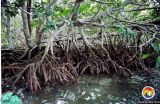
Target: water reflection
[[92, 90]]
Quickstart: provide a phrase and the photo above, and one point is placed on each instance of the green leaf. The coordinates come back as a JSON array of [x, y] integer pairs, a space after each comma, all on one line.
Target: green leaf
[[120, 30], [35, 16], [84, 8], [45, 1], [145, 56], [132, 32], [50, 24], [155, 46], [35, 22], [49, 12], [46, 29], [158, 62]]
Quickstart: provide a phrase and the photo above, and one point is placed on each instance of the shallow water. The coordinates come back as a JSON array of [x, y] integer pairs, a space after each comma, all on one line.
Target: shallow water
[[96, 90]]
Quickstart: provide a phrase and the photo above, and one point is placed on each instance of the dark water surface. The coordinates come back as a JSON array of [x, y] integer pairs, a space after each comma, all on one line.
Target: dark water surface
[[91, 89]]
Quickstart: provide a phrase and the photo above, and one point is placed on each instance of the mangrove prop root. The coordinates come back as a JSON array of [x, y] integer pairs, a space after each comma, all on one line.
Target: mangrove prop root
[[56, 68]]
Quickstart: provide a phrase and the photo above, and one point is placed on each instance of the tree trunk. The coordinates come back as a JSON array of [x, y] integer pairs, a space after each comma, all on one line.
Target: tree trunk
[[40, 29], [86, 42], [10, 40], [25, 25], [28, 15]]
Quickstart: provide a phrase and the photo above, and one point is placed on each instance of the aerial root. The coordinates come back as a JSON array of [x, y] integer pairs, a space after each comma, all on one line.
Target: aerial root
[[65, 69]]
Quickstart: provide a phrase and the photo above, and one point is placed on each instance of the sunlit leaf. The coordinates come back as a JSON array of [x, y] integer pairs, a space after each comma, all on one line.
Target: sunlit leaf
[[145, 56], [35, 22], [45, 1]]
